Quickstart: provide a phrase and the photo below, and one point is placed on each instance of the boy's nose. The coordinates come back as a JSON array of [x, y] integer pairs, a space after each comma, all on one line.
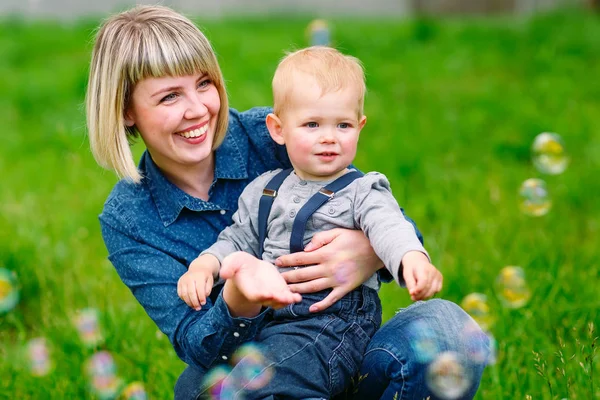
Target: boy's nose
[[327, 136]]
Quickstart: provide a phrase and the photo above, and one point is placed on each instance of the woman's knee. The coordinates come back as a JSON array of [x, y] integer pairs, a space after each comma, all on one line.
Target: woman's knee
[[189, 383]]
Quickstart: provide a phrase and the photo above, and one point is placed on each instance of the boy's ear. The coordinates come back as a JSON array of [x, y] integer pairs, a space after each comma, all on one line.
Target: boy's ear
[[362, 122], [275, 128]]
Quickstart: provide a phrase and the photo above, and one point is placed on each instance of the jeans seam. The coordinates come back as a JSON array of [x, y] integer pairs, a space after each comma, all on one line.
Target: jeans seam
[[402, 366]]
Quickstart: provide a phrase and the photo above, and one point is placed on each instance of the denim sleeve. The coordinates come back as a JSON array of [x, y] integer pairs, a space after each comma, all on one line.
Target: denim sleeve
[[199, 338]]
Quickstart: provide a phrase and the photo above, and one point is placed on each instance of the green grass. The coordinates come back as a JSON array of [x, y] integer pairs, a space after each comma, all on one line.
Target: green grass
[[453, 107]]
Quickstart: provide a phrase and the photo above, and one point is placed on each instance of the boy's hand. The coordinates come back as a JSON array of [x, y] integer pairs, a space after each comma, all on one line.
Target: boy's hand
[[423, 280], [195, 285]]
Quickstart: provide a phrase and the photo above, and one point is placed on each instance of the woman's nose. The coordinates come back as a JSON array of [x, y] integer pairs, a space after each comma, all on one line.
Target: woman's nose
[[195, 107]]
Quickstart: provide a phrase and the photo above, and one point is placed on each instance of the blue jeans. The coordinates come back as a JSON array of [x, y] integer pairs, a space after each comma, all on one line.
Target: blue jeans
[[392, 368]]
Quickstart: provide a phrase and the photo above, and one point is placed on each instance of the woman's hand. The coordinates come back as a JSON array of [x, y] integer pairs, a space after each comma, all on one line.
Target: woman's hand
[[341, 259], [253, 283]]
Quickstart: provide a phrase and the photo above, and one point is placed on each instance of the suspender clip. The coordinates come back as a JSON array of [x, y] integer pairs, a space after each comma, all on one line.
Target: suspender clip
[[327, 193], [269, 192]]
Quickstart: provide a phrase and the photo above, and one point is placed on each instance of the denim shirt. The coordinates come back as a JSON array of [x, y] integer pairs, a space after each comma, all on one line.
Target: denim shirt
[[153, 231]]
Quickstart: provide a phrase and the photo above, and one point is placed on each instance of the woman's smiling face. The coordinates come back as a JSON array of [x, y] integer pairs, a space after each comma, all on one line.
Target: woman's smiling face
[[176, 118]]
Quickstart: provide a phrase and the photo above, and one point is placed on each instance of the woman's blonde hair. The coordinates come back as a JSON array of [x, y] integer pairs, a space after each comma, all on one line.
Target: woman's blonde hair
[[331, 70], [143, 42]]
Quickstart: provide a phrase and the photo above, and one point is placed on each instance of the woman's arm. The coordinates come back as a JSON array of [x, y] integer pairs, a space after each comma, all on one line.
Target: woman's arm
[[198, 337]]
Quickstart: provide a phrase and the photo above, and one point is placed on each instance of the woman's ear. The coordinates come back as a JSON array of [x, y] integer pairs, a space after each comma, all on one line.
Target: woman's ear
[[129, 121], [275, 129]]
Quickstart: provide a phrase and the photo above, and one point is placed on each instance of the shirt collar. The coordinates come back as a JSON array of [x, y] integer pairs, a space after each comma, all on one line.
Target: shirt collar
[[171, 200]]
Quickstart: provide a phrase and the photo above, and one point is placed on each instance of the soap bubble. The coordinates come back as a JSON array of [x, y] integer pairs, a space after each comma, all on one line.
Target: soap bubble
[[480, 345], [476, 305], [423, 341], [319, 33], [447, 377], [217, 386], [548, 153], [511, 287], [102, 372], [86, 322], [134, 391], [535, 200], [38, 355], [9, 291], [252, 369]]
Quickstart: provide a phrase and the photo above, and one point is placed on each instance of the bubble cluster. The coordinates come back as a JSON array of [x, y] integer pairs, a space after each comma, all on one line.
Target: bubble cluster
[[318, 32], [548, 153], [86, 322], [511, 287], [102, 372], [447, 377], [423, 341], [476, 305], [9, 291], [252, 369], [134, 391], [216, 386], [535, 200], [38, 356]]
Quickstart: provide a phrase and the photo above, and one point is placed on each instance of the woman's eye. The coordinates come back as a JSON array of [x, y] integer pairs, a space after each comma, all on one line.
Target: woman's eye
[[204, 83], [312, 125], [169, 97]]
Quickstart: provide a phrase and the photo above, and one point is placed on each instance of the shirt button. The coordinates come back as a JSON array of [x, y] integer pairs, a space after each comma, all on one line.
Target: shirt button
[[292, 213], [222, 212], [242, 325], [296, 200], [236, 334], [224, 357], [303, 183], [331, 210]]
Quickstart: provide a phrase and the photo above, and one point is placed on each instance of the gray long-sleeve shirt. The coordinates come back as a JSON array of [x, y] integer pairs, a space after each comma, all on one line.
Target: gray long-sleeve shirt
[[366, 204]]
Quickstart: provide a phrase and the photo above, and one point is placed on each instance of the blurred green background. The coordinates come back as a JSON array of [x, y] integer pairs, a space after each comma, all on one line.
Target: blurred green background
[[453, 107]]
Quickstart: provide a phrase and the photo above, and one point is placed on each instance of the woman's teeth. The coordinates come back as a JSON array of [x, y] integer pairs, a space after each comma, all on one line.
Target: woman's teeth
[[195, 133]]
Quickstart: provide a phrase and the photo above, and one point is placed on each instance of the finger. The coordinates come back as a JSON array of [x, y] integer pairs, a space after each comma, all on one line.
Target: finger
[[304, 274], [191, 290], [321, 239], [409, 279], [208, 286], [298, 259], [200, 293], [336, 294], [185, 297], [313, 286]]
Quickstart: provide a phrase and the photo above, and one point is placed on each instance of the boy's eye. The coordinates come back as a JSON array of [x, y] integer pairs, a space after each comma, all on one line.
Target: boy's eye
[[312, 125], [344, 125]]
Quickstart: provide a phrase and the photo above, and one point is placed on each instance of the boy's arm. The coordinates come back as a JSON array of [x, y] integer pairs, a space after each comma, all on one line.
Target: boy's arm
[[378, 215], [242, 235]]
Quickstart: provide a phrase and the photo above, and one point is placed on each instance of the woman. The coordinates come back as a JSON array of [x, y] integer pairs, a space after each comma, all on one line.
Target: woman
[[154, 75]]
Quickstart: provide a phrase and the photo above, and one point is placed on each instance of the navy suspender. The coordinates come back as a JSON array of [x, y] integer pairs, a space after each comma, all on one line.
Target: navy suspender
[[317, 200], [265, 204]]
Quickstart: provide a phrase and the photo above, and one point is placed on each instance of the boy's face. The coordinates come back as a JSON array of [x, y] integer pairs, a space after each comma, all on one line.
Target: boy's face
[[320, 131]]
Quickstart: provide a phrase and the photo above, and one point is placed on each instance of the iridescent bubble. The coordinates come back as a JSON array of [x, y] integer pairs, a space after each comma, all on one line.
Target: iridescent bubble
[[423, 341], [216, 386], [535, 200], [511, 287], [38, 355], [252, 369], [102, 372], [134, 391], [476, 305], [447, 377], [479, 344], [319, 33], [548, 153], [9, 291], [86, 322]]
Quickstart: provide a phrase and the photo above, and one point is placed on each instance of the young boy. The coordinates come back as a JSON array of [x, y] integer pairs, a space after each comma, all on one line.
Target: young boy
[[318, 114]]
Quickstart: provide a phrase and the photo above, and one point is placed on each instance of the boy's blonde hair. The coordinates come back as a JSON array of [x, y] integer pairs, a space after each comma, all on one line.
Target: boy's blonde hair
[[331, 69], [143, 42]]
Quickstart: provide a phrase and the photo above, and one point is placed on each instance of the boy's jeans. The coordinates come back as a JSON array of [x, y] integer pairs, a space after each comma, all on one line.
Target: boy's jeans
[[392, 368]]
